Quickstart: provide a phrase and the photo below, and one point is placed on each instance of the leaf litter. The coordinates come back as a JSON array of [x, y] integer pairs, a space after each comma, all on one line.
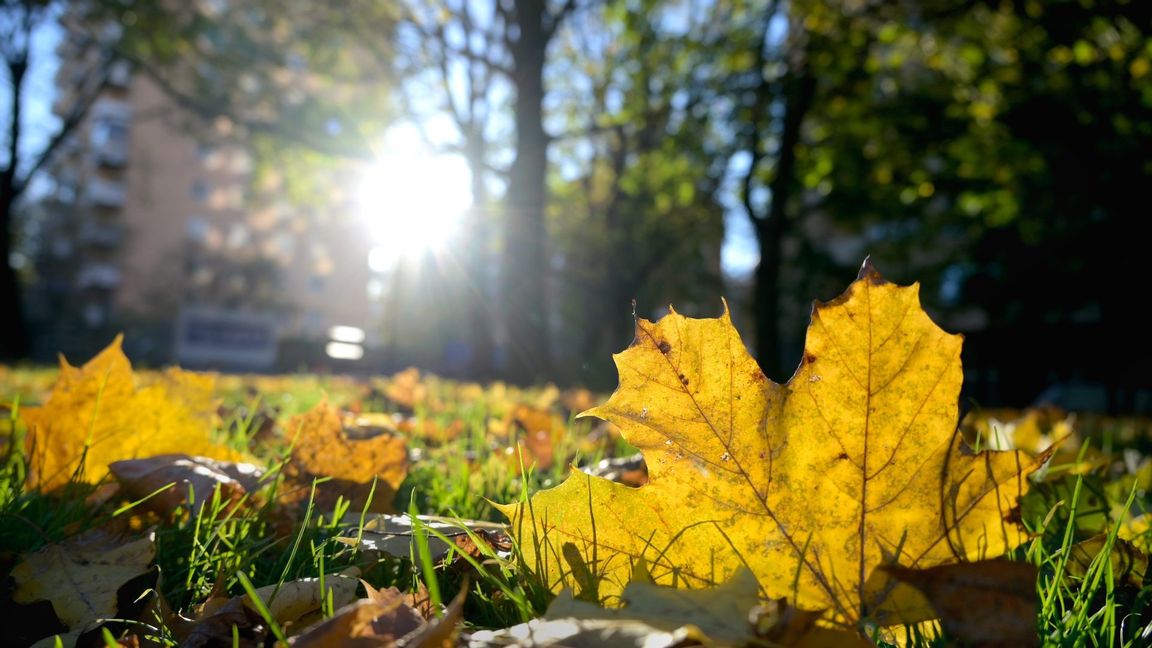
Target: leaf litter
[[757, 513]]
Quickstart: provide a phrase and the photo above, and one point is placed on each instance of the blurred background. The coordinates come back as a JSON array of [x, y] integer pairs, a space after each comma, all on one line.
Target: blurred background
[[484, 188]]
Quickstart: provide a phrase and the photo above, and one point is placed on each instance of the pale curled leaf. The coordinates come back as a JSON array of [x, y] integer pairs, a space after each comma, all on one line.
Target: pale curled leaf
[[171, 481], [854, 464], [81, 576], [730, 614], [394, 534]]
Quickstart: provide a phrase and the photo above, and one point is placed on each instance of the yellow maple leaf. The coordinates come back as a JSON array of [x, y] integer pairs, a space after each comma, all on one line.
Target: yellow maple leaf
[[855, 463], [322, 449], [98, 413]]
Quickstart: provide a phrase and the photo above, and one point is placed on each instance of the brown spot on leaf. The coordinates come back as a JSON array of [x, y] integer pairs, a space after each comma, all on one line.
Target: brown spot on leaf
[[1014, 515], [683, 380], [809, 358], [758, 376], [664, 347]]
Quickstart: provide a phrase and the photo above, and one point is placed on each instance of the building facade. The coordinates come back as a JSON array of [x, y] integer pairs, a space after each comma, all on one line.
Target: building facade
[[154, 215]]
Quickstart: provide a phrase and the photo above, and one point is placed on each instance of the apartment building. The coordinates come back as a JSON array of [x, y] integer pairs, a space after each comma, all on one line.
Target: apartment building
[[156, 228]]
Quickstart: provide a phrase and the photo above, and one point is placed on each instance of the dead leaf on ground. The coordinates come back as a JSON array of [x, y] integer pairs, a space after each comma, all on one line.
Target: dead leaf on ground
[[582, 633], [537, 433], [989, 603], [1129, 563], [406, 390], [231, 618], [98, 409], [855, 463], [386, 618], [322, 449], [83, 577], [430, 430], [630, 471], [730, 614], [1032, 430], [294, 605], [578, 399], [193, 481], [394, 534]]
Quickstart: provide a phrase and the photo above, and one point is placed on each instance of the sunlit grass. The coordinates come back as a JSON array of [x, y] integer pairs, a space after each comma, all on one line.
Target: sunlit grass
[[223, 549]]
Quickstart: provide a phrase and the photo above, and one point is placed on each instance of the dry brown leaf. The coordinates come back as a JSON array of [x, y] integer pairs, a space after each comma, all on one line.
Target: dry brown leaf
[[1129, 563], [730, 614], [366, 622], [393, 534], [294, 606], [441, 632], [989, 603], [217, 627], [193, 481], [322, 449], [405, 389], [630, 471]]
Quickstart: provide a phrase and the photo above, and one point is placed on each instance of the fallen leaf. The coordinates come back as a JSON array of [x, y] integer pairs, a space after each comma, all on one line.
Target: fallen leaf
[[1032, 430], [538, 431], [193, 481], [987, 603], [1129, 563], [366, 622], [582, 633], [291, 603], [96, 412], [386, 618], [294, 605], [82, 577], [393, 534], [730, 614], [854, 464], [406, 390], [440, 632], [322, 449], [630, 471], [231, 619]]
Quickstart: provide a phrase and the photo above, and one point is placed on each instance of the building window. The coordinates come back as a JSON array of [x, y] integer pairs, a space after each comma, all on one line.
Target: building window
[[109, 133], [201, 190], [317, 283], [313, 323], [197, 229], [238, 236]]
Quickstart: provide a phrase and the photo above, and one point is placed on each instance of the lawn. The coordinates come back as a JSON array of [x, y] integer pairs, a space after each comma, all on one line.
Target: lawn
[[195, 551]]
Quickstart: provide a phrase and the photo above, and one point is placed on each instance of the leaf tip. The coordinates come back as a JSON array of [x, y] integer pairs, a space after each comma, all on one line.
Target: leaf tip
[[868, 272]]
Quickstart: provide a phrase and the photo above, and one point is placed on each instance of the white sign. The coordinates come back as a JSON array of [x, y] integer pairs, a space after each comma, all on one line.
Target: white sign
[[231, 339]]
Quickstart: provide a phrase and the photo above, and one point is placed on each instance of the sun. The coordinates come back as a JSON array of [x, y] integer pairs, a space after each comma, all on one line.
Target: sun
[[410, 199]]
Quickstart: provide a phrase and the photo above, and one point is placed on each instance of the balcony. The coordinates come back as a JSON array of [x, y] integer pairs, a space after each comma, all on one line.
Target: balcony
[[107, 109], [112, 155], [98, 275], [105, 193], [105, 235], [119, 74]]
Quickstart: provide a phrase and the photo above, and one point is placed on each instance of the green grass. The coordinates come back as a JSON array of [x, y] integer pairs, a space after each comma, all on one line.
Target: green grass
[[229, 550]]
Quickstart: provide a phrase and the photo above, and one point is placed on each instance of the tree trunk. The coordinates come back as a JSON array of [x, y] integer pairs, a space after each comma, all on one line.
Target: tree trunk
[[525, 267], [13, 334], [771, 230]]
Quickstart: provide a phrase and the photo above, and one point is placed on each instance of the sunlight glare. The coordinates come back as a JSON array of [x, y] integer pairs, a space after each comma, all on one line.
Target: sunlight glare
[[411, 199]]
